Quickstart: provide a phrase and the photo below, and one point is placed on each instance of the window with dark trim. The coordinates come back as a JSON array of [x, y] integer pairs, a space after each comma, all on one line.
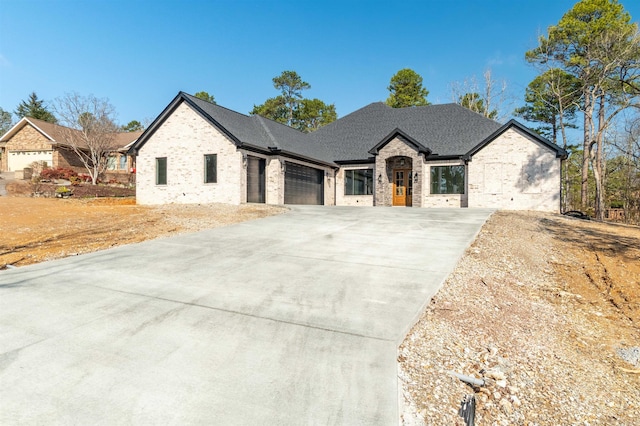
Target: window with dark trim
[[161, 171], [210, 168], [447, 179], [358, 182]]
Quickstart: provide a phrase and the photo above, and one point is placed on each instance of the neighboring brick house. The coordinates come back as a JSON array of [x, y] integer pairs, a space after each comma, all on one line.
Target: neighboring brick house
[[432, 156], [32, 140]]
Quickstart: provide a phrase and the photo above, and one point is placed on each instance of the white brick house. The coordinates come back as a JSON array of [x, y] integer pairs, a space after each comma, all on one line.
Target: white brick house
[[433, 156]]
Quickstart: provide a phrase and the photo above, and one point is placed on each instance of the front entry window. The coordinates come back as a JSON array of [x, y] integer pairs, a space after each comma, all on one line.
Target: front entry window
[[358, 182], [447, 179]]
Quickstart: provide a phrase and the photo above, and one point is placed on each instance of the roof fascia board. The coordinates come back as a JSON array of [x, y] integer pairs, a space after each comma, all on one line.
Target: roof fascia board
[[299, 157], [560, 153], [210, 119], [169, 109], [398, 132], [276, 151], [255, 148], [149, 131], [370, 160], [436, 157]]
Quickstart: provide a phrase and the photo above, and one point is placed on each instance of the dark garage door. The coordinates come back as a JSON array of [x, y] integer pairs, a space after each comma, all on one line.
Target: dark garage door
[[303, 185], [255, 180]]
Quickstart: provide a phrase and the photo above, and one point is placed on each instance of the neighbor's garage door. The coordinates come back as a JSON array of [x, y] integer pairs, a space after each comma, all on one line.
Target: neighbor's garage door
[[18, 160], [303, 185]]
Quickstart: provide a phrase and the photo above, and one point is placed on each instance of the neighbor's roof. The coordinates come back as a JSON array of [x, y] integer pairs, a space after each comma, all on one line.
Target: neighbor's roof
[[48, 130], [57, 134]]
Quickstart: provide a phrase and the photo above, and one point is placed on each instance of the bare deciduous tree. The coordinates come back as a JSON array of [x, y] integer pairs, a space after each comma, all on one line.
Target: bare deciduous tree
[[488, 99], [90, 130]]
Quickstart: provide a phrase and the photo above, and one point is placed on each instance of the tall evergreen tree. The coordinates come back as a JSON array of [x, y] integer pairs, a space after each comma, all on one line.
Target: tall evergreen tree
[[313, 114], [597, 43], [132, 126], [205, 97], [274, 109], [291, 86], [552, 99], [291, 108], [406, 90], [475, 103], [6, 121], [34, 107]]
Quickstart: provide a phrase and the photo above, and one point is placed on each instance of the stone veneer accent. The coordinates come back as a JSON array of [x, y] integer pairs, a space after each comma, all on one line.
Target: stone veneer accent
[[397, 147], [184, 138], [514, 172], [26, 139]]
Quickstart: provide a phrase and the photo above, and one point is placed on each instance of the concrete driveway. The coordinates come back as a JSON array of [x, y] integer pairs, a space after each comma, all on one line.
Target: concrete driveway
[[288, 320]]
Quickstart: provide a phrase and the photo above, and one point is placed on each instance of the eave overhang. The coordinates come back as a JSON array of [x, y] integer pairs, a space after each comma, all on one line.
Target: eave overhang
[[560, 153], [173, 105]]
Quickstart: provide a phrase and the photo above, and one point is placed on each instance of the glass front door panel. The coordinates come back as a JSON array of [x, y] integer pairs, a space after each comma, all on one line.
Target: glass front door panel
[[400, 182]]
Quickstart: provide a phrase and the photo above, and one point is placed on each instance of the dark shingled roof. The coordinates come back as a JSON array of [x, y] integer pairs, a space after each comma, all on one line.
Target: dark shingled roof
[[445, 130], [259, 131], [448, 130]]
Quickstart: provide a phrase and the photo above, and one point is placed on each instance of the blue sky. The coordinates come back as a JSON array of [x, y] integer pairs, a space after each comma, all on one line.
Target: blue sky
[[139, 54]]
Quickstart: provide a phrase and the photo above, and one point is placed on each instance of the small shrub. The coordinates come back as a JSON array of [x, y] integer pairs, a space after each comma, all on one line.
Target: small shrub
[[58, 173], [85, 178], [38, 167], [36, 184], [62, 190]]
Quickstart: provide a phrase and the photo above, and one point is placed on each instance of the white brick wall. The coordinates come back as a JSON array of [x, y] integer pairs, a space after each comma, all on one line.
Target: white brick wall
[[184, 138], [514, 172], [275, 181]]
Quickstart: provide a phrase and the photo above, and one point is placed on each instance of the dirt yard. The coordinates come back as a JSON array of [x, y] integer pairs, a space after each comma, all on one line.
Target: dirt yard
[[545, 308], [36, 229]]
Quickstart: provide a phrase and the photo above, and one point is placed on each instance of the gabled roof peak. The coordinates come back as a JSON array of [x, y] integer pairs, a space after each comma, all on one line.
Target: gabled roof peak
[[408, 139], [189, 97]]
